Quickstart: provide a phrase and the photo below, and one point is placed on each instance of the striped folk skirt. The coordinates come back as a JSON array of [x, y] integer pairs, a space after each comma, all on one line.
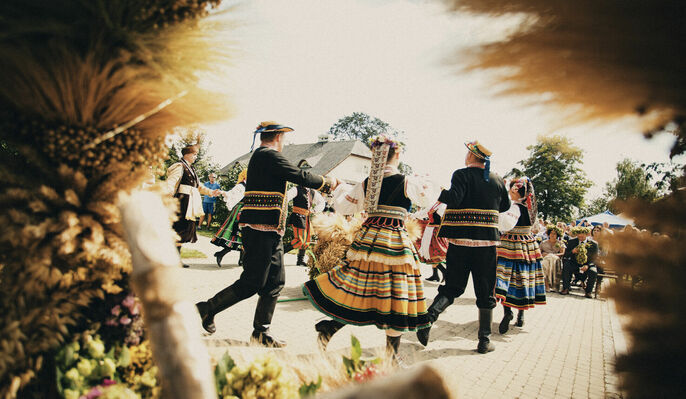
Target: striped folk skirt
[[378, 283], [520, 281], [228, 235]]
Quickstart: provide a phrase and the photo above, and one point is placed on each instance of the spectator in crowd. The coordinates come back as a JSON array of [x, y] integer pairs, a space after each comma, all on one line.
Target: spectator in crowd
[[208, 201], [579, 257], [552, 250]]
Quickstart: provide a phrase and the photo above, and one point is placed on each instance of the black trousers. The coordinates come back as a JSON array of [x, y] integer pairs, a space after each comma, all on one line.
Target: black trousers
[[481, 263], [263, 274], [263, 271]]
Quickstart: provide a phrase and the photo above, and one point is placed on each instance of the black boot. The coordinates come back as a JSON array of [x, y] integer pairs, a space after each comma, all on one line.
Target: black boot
[[439, 304], [222, 300], [392, 344], [301, 258], [326, 330], [520, 318], [220, 255], [434, 276], [441, 268], [505, 322], [485, 319], [240, 257], [185, 266], [263, 319]]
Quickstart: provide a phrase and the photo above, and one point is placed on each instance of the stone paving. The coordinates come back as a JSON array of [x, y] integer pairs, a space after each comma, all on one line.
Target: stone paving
[[566, 349]]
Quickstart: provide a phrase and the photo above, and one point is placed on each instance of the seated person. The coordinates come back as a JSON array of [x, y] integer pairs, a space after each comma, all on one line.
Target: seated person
[[575, 263], [552, 250]]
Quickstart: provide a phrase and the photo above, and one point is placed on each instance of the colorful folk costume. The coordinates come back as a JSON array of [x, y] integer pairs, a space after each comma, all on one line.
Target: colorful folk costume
[[228, 236], [378, 282], [305, 202], [433, 248], [520, 281], [263, 222], [183, 184], [470, 223]]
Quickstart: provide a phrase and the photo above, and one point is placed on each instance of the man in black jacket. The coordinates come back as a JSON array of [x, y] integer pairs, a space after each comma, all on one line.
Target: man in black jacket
[[470, 223], [571, 264], [263, 222]]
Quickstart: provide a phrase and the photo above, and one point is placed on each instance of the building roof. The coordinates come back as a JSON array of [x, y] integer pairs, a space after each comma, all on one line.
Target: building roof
[[323, 156]]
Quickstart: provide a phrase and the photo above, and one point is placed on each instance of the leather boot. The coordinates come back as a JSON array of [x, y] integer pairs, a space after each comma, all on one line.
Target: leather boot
[[442, 270], [439, 304], [520, 318], [263, 319], [392, 344], [434, 276], [301, 258], [326, 330], [505, 322], [221, 301], [220, 255], [185, 266], [485, 319]]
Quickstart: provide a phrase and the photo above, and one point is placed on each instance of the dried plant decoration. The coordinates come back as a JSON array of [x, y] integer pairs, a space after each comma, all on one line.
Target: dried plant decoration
[[70, 72]]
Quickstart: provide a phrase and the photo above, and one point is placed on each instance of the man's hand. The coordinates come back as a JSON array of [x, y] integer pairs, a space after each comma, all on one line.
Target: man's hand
[[583, 268], [216, 192], [575, 250]]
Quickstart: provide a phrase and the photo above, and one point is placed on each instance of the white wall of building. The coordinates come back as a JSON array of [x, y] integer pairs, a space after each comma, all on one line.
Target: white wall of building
[[353, 169]]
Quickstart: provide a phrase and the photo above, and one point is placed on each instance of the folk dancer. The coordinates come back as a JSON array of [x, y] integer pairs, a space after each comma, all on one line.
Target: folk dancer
[[306, 201], [433, 248], [263, 222], [470, 223], [378, 282], [228, 236], [183, 184], [519, 275]]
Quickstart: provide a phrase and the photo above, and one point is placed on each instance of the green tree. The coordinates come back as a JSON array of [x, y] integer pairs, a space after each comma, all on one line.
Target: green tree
[[632, 182], [666, 176], [559, 183], [595, 206], [203, 165], [363, 127]]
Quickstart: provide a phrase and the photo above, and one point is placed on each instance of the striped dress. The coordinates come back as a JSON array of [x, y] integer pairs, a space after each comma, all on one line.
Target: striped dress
[[228, 235], [379, 281], [519, 274]]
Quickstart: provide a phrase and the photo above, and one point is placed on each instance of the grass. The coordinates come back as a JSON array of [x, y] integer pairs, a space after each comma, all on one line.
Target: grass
[[208, 233], [191, 254]]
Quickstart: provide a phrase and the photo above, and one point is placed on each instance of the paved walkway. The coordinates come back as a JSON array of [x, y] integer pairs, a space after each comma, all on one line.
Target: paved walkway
[[566, 348]]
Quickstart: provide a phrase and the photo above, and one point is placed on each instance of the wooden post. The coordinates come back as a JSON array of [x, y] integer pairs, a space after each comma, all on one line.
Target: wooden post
[[172, 324]]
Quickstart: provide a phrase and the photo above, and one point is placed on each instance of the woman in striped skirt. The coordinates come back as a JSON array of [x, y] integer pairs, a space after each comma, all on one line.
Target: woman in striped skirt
[[520, 282], [379, 281]]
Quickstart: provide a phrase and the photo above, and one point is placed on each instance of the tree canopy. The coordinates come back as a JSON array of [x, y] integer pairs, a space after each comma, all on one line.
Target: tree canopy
[[559, 183], [360, 126]]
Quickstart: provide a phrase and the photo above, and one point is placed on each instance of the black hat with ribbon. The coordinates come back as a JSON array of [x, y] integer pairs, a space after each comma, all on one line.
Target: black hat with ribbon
[[269, 127]]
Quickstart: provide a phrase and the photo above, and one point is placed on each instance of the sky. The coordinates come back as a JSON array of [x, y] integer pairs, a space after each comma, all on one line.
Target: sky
[[307, 63]]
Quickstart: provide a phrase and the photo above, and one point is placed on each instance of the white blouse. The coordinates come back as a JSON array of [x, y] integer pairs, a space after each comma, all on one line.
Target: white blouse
[[233, 196], [349, 200], [508, 219]]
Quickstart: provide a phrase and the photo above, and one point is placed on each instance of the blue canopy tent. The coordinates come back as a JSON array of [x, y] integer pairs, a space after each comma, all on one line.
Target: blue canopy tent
[[613, 220]]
